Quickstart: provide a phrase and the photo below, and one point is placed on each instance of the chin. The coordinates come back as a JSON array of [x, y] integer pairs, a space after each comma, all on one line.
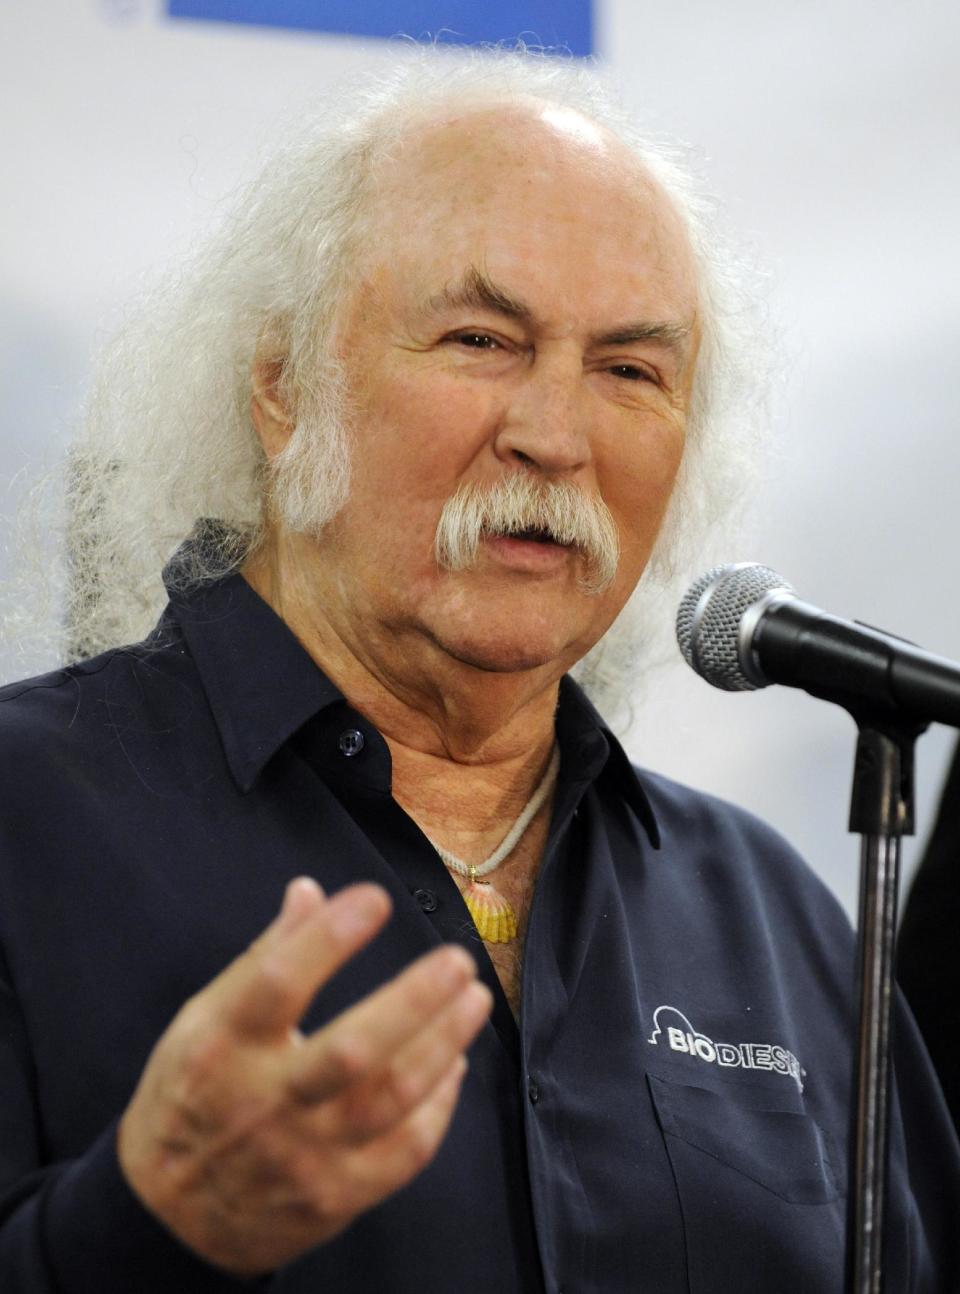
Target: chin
[[507, 654], [503, 662], [512, 635]]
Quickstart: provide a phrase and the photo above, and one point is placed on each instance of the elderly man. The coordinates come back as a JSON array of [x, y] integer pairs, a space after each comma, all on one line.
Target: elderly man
[[526, 1020]]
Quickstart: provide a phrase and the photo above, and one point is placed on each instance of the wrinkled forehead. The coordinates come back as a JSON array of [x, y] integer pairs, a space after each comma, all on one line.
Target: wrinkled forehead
[[521, 154], [547, 205]]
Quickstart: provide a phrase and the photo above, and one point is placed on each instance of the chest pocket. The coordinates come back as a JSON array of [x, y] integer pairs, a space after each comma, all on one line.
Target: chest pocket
[[760, 1191]]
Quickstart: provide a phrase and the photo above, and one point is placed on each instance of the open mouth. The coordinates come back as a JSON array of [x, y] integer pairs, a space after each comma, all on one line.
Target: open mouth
[[534, 550], [533, 537]]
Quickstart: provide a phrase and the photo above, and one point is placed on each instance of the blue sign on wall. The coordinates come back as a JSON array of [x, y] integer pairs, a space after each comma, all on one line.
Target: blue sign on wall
[[463, 22]]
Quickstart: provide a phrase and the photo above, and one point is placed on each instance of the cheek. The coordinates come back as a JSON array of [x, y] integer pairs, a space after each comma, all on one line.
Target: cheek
[[637, 488], [415, 441], [421, 432]]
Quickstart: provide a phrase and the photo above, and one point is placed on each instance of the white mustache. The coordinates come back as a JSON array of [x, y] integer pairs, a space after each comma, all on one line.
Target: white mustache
[[522, 502]]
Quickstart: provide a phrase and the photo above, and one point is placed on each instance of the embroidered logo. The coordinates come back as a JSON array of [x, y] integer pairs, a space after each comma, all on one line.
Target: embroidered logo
[[681, 1036]]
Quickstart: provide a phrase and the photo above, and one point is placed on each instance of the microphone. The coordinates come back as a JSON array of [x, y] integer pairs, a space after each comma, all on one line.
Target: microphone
[[743, 627]]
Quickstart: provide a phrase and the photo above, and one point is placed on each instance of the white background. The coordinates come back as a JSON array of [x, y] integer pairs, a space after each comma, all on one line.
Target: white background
[[831, 133]]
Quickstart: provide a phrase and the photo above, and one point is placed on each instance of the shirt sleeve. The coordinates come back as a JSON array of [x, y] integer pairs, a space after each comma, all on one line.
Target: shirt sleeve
[[76, 1227]]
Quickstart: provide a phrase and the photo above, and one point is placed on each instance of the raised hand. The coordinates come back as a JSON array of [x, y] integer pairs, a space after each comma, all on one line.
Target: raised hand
[[254, 1143]]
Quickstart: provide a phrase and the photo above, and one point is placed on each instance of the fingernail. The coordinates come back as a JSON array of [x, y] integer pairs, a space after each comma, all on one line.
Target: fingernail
[[297, 903], [455, 966], [357, 911], [479, 997]]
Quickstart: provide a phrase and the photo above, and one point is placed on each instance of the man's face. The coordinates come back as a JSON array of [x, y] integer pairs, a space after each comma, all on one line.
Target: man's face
[[527, 303]]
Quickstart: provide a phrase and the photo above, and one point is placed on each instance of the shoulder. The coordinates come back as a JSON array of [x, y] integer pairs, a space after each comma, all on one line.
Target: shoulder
[[47, 697], [684, 811], [39, 706], [83, 703], [730, 853]]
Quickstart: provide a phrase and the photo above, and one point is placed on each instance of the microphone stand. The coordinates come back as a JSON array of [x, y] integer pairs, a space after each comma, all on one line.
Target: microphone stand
[[881, 811]]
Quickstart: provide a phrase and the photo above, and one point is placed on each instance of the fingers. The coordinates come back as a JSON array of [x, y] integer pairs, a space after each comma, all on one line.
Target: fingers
[[267, 990], [370, 1108], [385, 1164], [437, 997]]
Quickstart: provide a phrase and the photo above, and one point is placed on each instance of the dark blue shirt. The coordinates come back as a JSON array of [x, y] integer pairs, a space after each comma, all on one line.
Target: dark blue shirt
[[669, 1116]]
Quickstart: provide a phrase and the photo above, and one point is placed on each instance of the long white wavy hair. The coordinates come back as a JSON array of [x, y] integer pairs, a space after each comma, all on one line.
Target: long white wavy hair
[[168, 438]]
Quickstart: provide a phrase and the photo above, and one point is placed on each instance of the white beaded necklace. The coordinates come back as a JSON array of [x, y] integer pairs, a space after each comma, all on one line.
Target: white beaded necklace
[[493, 916]]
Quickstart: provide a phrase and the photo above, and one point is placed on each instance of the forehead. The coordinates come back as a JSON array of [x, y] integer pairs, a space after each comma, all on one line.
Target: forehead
[[545, 202]]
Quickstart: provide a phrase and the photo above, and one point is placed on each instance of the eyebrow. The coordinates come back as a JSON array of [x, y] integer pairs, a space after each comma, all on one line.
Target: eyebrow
[[475, 290]]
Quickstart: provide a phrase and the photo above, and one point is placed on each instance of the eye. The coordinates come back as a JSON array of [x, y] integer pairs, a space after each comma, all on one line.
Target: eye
[[476, 340], [632, 373]]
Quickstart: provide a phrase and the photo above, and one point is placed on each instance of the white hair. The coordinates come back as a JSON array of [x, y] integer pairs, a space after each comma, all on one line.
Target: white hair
[[168, 437], [522, 503]]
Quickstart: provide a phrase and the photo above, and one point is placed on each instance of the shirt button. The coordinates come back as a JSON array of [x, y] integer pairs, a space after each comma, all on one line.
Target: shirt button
[[351, 742], [427, 900], [533, 1091]]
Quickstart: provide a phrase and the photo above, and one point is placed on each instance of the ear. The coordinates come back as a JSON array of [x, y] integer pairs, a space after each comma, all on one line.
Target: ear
[[271, 418]]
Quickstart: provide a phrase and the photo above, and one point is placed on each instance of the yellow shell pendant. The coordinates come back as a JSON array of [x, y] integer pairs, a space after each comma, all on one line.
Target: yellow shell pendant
[[493, 916]]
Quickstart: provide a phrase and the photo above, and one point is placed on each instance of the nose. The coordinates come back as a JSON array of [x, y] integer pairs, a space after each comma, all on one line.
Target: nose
[[546, 423]]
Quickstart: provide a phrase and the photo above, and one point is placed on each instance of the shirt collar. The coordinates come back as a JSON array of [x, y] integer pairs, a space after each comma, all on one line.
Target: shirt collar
[[263, 687], [588, 746]]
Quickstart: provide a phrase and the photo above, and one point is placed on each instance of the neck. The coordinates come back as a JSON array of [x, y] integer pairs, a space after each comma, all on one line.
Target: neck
[[464, 741]]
